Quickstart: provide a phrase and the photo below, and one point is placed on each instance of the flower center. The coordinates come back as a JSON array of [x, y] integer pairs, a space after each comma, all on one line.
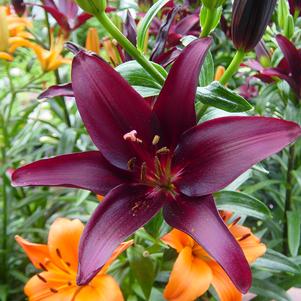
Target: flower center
[[154, 165]]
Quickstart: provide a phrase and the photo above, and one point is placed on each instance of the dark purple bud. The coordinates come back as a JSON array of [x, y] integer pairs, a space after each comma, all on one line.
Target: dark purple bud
[[130, 31], [249, 21], [19, 7]]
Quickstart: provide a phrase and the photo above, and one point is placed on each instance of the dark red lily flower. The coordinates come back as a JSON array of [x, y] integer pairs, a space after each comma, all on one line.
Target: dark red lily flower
[[249, 21], [153, 158], [177, 25], [66, 14], [295, 7], [19, 7], [289, 68]]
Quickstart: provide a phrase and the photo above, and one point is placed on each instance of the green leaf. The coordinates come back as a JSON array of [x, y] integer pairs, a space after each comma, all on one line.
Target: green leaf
[[269, 290], [207, 71], [154, 225], [145, 23], [277, 263], [242, 203], [143, 268], [134, 73], [218, 96], [293, 222]]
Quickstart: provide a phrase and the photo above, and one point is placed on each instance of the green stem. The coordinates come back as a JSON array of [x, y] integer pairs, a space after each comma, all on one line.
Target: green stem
[[62, 100], [289, 203], [233, 67], [210, 18], [4, 226], [129, 47]]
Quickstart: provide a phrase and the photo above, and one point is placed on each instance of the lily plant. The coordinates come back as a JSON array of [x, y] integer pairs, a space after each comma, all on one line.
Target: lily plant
[[156, 157]]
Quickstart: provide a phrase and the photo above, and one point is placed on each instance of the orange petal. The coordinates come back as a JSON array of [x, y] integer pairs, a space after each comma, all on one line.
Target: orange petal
[[223, 285], [116, 253], [189, 279], [37, 253], [100, 197], [219, 72], [49, 286], [178, 240], [6, 56], [92, 41], [249, 243], [102, 288], [63, 240]]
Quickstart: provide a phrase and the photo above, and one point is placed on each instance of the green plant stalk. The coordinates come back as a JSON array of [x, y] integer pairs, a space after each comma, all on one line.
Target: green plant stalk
[[4, 268], [233, 67], [209, 22], [62, 100], [289, 203], [129, 47]]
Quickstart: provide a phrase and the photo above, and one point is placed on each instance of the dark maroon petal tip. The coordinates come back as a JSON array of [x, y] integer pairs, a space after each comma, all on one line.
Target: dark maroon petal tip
[[214, 153], [125, 209], [87, 170], [199, 218], [175, 104], [57, 90]]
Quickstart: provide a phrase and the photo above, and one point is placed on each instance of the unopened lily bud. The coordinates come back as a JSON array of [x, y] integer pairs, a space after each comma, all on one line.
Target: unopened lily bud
[[19, 7], [219, 73], [249, 22], [4, 33], [92, 41], [92, 6], [213, 4]]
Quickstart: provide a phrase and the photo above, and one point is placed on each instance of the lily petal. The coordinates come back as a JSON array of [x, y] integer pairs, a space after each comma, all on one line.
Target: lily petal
[[223, 285], [69, 8], [110, 108], [199, 218], [56, 14], [37, 253], [87, 170], [215, 153], [58, 90], [291, 54], [103, 288], [125, 209], [175, 104], [63, 241], [189, 279], [81, 19]]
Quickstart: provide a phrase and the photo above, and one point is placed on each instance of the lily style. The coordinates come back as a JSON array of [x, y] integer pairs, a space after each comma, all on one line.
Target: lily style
[[154, 157], [58, 261], [195, 266]]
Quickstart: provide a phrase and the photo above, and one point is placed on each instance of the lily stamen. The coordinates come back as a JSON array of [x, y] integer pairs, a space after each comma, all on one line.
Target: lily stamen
[[132, 136]]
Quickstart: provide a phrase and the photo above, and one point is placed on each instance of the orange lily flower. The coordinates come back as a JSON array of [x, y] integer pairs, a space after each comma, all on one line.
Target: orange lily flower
[[92, 41], [49, 60], [59, 259], [11, 27], [194, 270]]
